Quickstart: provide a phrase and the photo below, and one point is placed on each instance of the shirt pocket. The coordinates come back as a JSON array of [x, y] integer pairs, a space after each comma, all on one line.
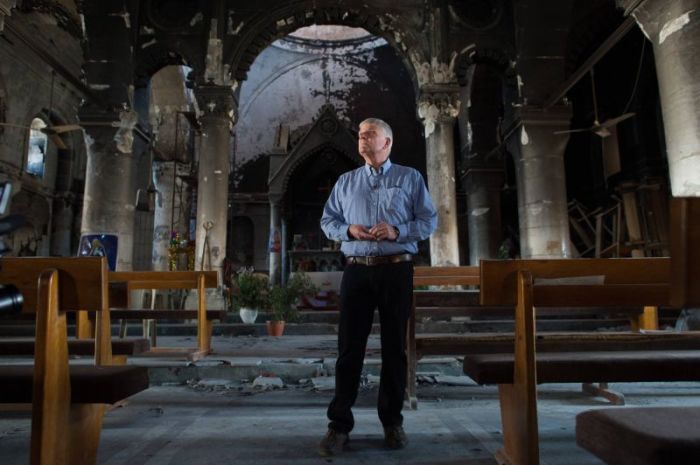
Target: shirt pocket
[[398, 206]]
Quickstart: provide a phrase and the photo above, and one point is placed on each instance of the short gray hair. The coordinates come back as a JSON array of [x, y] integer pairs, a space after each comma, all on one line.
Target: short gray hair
[[382, 124]]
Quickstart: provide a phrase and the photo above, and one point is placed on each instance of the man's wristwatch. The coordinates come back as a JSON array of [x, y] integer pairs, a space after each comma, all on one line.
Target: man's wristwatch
[[397, 232]]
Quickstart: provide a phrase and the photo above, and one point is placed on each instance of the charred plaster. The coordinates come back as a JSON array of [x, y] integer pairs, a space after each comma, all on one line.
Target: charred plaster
[[355, 84]]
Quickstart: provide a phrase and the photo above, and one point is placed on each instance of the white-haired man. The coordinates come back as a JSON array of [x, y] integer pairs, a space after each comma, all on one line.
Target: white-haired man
[[379, 212]]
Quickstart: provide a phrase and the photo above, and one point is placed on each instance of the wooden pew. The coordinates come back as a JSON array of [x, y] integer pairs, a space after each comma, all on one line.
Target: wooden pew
[[200, 280], [656, 435], [67, 401], [638, 281], [431, 276], [433, 302]]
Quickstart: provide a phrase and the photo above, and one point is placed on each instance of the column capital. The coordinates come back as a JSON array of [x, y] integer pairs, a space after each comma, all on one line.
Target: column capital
[[438, 104], [216, 100], [111, 126]]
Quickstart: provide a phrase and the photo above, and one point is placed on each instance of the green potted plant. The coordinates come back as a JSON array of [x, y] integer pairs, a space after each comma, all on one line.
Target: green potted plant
[[283, 301], [249, 294]]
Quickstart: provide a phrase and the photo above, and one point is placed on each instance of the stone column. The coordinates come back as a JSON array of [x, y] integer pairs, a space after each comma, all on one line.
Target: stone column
[[673, 27], [62, 226], [275, 242], [110, 194], [212, 187], [438, 107], [483, 187], [541, 182], [285, 252], [164, 180]]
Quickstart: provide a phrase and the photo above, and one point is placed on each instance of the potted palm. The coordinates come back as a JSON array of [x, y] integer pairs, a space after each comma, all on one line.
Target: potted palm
[[249, 294], [283, 301]]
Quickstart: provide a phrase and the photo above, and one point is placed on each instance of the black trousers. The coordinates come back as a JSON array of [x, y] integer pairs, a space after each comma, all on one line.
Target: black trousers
[[388, 288]]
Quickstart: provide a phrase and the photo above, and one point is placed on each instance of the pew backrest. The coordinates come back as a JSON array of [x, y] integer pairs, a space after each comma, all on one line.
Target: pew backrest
[[163, 279], [579, 282], [82, 285], [446, 276]]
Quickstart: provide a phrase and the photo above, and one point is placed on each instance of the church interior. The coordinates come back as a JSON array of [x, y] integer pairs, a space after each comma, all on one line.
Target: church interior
[[206, 135]]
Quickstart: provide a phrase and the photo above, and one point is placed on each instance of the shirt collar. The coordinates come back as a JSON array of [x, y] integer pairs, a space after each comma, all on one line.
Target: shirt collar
[[369, 169]]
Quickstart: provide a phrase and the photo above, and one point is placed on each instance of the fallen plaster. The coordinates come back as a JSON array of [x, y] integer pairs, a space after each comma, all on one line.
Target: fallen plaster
[[641, 25], [125, 15], [524, 138], [149, 43], [235, 32], [197, 18], [673, 26], [124, 137]]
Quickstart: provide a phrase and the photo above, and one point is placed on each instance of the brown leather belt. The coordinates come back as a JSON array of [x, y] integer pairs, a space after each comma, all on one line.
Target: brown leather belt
[[379, 259]]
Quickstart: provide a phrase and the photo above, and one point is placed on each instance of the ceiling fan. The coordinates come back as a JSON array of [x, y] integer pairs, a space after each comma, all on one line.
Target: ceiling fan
[[601, 129]]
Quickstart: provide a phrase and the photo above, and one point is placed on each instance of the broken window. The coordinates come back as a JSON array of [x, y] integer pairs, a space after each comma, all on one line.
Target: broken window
[[36, 153]]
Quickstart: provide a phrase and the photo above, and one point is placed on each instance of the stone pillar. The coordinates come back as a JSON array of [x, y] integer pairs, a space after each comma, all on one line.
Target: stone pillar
[[285, 250], [164, 180], [483, 187], [673, 27], [275, 243], [110, 195], [212, 187], [438, 107], [541, 181], [62, 227]]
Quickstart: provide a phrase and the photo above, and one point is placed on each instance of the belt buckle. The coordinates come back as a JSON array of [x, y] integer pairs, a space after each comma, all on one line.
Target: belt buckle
[[371, 260]]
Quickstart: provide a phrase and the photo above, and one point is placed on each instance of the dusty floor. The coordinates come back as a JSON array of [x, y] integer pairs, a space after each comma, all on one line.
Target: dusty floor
[[262, 400], [214, 423]]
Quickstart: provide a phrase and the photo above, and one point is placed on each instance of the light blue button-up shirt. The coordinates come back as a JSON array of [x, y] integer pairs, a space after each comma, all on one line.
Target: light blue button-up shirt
[[394, 194]]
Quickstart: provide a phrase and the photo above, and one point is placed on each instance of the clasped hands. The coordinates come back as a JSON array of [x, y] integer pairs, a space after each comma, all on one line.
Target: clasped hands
[[378, 232]]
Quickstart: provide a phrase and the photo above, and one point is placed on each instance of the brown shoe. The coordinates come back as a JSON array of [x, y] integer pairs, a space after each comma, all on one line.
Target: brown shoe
[[333, 443], [395, 437]]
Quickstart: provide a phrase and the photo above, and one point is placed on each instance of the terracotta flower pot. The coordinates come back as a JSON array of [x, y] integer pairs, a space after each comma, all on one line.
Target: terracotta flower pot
[[275, 328]]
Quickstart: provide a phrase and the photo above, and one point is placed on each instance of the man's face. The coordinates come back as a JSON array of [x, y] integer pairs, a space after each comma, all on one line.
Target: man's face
[[373, 144]]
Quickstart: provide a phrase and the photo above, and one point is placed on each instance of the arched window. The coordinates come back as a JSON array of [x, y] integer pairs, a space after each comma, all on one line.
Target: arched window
[[36, 152]]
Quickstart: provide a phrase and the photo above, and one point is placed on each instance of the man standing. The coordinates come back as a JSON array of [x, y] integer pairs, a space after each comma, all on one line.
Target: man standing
[[379, 211]]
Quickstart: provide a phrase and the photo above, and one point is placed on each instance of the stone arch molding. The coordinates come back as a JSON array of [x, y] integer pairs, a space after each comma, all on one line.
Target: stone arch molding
[[254, 34], [326, 132]]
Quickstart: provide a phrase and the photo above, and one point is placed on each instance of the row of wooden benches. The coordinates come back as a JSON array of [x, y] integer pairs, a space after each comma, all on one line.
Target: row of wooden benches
[[121, 286], [518, 362], [68, 400]]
